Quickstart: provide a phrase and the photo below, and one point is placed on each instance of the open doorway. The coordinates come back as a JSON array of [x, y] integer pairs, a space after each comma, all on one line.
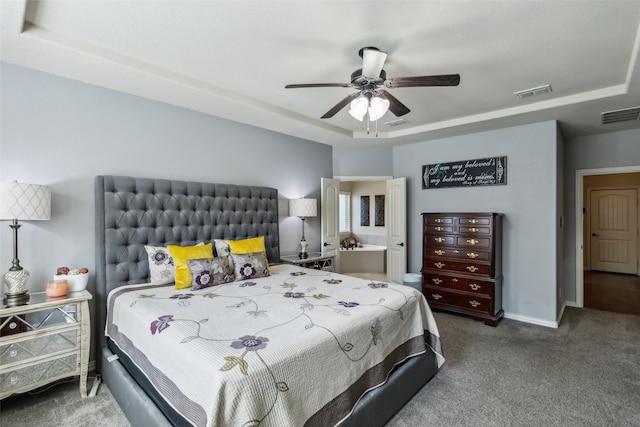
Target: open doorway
[[607, 272], [378, 226]]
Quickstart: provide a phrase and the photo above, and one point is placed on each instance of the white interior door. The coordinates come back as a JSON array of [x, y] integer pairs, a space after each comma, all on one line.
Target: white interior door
[[396, 212], [330, 219], [614, 230]]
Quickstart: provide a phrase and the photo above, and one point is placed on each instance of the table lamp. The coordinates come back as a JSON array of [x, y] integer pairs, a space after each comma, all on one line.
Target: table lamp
[[303, 208], [25, 202]]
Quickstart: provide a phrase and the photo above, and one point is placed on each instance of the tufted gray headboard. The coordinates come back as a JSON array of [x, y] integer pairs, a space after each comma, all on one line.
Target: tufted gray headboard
[[134, 212]]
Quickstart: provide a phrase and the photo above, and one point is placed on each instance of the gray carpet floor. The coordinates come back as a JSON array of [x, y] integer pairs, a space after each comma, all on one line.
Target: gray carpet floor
[[585, 373]]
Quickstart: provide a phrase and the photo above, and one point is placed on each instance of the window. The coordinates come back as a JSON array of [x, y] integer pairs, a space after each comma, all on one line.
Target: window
[[344, 203]]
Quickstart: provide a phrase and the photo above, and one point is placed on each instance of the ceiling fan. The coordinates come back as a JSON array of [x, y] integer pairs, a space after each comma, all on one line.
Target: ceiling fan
[[369, 98]]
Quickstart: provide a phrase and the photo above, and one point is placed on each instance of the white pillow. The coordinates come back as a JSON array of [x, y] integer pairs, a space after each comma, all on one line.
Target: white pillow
[[162, 270]]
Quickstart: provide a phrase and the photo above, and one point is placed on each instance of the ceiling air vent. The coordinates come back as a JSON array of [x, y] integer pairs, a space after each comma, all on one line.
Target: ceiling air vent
[[617, 116], [533, 91], [394, 123]]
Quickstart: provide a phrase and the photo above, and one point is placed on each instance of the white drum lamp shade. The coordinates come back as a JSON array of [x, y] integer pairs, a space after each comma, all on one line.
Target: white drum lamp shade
[[303, 208], [25, 202]]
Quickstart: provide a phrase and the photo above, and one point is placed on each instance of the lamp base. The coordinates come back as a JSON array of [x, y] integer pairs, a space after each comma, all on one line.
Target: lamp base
[[16, 292], [13, 300], [303, 249]]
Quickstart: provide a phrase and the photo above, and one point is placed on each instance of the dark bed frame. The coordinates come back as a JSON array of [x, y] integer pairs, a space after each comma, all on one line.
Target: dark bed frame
[[134, 212]]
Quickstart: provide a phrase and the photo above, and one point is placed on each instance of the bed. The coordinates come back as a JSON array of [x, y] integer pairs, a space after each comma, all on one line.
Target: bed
[[232, 354]]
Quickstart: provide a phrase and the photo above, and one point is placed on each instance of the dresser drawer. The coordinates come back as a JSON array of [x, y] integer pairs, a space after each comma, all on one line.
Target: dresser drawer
[[38, 346], [436, 229], [459, 253], [475, 302], [439, 220], [472, 242], [33, 376], [440, 240], [461, 266], [474, 229], [474, 221], [460, 283]]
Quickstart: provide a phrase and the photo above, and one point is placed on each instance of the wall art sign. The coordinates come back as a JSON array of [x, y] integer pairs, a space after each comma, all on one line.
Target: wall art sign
[[364, 211], [465, 173], [378, 212]]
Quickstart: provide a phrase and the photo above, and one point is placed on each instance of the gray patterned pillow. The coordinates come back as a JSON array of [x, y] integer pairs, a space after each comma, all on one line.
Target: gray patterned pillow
[[207, 272], [250, 266], [162, 270]]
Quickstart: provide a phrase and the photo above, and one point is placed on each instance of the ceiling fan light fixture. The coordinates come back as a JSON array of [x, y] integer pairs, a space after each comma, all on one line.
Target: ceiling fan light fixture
[[358, 107], [378, 107]]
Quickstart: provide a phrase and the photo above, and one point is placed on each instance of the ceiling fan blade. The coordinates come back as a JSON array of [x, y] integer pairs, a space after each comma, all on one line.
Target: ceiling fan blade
[[441, 80], [340, 105], [372, 62], [297, 86], [395, 106]]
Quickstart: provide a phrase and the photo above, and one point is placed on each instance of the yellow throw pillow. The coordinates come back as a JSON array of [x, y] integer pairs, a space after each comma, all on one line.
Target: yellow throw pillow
[[247, 246], [181, 254]]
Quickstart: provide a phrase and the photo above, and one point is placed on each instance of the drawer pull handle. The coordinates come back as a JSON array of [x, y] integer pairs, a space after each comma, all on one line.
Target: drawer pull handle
[[436, 280], [472, 268], [454, 280], [436, 296], [472, 255], [439, 228], [456, 251], [438, 220], [472, 241], [474, 304], [474, 286], [439, 252], [439, 239], [438, 264], [474, 230], [473, 221], [13, 325]]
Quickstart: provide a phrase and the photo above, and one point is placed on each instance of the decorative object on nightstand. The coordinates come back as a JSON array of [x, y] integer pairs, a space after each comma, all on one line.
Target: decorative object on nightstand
[[25, 202], [303, 208]]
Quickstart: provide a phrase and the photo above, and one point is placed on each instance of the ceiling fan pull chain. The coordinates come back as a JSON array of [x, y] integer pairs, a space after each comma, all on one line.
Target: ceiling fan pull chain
[[376, 128], [368, 124]]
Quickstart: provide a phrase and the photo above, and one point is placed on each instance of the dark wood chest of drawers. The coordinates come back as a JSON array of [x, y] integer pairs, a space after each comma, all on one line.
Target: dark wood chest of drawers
[[462, 263]]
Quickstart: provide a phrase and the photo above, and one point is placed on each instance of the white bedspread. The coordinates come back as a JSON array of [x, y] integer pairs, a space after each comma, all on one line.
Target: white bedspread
[[296, 348]]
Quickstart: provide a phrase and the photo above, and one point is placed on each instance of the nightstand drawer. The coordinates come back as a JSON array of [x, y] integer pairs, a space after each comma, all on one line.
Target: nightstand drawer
[[39, 346], [29, 377]]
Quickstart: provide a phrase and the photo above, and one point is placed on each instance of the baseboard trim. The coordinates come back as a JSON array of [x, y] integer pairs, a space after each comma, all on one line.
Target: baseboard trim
[[532, 320]]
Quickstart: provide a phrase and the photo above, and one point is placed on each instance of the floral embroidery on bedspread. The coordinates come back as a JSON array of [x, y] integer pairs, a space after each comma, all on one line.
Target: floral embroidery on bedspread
[[244, 352]]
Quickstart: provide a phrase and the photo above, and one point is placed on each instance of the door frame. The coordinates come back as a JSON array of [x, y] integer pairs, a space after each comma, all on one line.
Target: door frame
[[580, 174]]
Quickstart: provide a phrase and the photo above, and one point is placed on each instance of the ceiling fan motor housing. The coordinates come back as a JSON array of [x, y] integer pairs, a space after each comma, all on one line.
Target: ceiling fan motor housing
[[357, 79]]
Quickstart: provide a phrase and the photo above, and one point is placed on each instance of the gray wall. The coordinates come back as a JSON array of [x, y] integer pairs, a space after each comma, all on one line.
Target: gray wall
[[62, 133], [363, 161], [607, 150], [528, 202]]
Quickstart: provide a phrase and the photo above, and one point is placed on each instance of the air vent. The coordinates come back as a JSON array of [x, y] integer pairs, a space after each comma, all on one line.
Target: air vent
[[533, 91], [398, 122], [617, 116]]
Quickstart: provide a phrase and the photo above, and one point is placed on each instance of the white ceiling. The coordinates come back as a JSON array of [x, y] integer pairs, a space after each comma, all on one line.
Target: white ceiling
[[232, 59]]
